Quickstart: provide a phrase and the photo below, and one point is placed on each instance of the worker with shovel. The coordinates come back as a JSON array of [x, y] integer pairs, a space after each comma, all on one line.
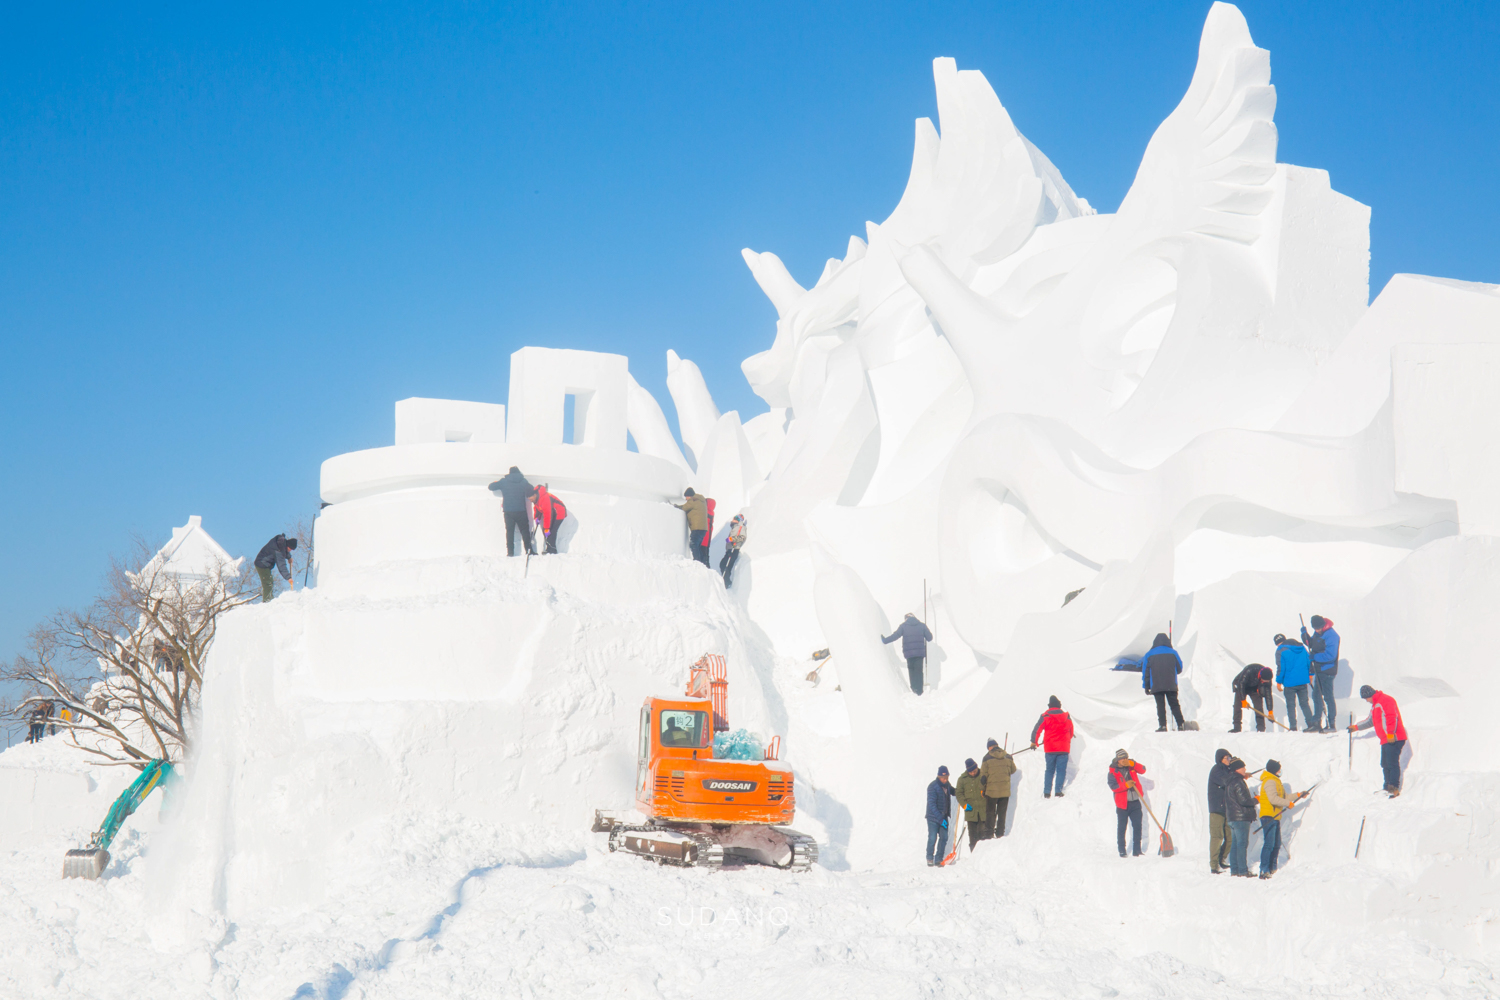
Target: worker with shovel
[[1385, 719], [1253, 684], [515, 490], [1055, 727], [1240, 808], [1127, 789], [969, 790], [938, 794], [1273, 802]]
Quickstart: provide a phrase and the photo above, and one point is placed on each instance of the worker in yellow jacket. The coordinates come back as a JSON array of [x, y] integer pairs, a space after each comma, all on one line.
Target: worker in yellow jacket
[[1273, 802]]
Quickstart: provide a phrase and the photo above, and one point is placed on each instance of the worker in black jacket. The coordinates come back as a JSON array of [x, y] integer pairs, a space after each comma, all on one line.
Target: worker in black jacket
[[1240, 809], [275, 553], [1252, 686], [515, 491], [1218, 828]]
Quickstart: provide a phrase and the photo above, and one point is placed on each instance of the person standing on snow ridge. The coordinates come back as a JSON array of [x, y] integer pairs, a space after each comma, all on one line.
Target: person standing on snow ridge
[[1253, 684], [549, 513], [1385, 719], [278, 553], [696, 509], [1122, 778], [970, 794], [1293, 670], [514, 491], [1218, 828], [1159, 670], [1273, 802], [994, 779], [38, 727], [1240, 808], [1056, 729], [938, 794], [1323, 644], [914, 638], [732, 543]]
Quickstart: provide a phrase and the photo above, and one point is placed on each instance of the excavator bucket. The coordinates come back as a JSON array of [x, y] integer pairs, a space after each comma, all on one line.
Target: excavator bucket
[[85, 862]]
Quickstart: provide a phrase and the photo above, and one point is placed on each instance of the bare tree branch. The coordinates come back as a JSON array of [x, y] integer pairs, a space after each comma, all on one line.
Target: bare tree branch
[[123, 676]]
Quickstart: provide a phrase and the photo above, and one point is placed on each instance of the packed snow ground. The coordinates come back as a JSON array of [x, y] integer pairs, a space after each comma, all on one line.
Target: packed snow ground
[[1049, 911]]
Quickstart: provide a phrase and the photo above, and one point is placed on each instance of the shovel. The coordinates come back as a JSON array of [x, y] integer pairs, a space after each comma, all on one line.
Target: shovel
[[1166, 850]]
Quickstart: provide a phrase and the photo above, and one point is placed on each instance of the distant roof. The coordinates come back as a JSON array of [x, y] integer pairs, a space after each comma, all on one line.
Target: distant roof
[[192, 553]]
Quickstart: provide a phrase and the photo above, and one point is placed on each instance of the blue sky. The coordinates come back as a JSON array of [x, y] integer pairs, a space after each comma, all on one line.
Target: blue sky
[[231, 239]]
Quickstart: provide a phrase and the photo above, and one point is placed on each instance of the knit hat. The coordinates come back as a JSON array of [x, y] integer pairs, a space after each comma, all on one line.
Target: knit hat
[[991, 743], [1235, 764], [1052, 702], [1365, 691], [1274, 766], [688, 492], [969, 764], [1318, 621], [1266, 673], [1220, 754], [942, 770], [1122, 755], [1278, 639], [291, 543]]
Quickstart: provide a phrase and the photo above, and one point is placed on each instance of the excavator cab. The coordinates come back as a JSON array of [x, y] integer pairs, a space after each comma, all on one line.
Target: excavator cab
[[699, 807]]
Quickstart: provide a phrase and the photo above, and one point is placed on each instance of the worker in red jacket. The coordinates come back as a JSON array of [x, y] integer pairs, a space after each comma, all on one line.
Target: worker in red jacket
[[1055, 727], [549, 514], [1124, 779], [1385, 719]]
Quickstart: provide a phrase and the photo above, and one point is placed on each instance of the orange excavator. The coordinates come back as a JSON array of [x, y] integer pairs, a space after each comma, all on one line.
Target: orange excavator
[[701, 810]]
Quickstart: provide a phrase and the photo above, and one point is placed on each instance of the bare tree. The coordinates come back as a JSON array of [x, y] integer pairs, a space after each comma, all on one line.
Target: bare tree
[[128, 669]]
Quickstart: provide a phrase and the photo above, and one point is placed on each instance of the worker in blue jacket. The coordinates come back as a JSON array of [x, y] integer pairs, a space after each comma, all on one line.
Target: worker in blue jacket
[[1293, 669], [1323, 644], [938, 794], [1159, 670]]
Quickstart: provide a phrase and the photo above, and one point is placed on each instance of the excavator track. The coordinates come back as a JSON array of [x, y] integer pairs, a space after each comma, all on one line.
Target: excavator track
[[681, 848], [685, 848], [804, 850]]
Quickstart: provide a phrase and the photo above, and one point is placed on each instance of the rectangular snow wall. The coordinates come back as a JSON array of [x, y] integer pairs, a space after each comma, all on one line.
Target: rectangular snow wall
[[1446, 420], [449, 421], [542, 378]]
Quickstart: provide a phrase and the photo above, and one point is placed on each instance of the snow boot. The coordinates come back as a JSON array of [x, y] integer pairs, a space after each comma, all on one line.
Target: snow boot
[[1122, 854], [931, 863], [1392, 791], [1046, 795], [1058, 794], [1162, 729], [1235, 729], [1265, 874]]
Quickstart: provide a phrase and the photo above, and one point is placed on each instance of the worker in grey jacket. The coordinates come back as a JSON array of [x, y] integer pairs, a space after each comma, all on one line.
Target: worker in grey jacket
[[914, 638], [274, 554]]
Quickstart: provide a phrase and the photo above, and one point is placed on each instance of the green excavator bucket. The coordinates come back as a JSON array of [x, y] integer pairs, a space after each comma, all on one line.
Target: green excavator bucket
[[90, 862]]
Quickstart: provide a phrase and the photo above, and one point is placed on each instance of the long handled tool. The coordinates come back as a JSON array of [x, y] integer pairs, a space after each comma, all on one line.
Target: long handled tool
[[1263, 715], [90, 862], [821, 658], [1166, 849], [1361, 839], [1351, 742]]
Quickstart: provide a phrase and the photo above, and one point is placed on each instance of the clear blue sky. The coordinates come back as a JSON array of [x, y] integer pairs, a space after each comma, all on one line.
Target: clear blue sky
[[231, 239]]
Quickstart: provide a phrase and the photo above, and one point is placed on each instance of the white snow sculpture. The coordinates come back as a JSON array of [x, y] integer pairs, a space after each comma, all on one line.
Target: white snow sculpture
[[696, 413], [428, 497], [1013, 398], [448, 421], [542, 378]]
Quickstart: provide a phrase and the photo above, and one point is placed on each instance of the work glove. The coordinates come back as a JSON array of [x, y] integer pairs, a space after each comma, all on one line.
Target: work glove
[[945, 824], [1244, 703]]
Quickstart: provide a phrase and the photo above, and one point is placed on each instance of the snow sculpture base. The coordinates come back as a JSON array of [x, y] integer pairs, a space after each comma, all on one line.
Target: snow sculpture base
[[431, 501], [447, 698]]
